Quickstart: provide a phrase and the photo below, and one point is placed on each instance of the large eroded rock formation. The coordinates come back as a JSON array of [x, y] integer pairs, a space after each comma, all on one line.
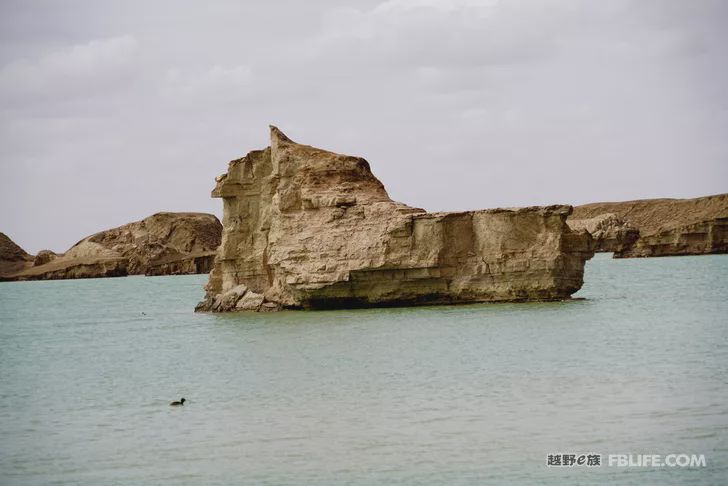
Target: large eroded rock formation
[[307, 228], [666, 226], [162, 244]]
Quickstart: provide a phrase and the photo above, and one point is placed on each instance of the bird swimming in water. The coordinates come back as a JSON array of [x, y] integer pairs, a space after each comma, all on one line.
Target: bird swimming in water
[[177, 403]]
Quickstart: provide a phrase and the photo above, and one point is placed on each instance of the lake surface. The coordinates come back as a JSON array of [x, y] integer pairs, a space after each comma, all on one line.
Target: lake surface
[[476, 394]]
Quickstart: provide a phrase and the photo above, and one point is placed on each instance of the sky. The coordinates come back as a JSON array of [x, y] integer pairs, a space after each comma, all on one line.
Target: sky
[[111, 111]]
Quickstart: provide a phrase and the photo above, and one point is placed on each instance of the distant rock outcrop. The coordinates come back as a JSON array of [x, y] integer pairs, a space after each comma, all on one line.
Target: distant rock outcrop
[[667, 226], [43, 257], [700, 238], [162, 244], [13, 259], [610, 232], [307, 228]]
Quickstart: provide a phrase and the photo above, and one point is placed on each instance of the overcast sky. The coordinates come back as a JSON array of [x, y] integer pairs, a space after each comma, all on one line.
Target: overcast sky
[[112, 111]]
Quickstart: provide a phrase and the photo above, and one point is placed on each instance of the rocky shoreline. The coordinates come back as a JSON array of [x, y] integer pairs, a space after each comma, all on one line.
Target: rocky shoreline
[[162, 244]]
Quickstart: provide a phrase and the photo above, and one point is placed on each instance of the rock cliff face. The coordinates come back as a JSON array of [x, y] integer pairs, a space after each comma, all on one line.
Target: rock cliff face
[[610, 232], [162, 244], [13, 259], [667, 226], [307, 228], [700, 238]]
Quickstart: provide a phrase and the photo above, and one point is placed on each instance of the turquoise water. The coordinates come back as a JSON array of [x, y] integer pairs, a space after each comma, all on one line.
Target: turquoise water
[[440, 395]]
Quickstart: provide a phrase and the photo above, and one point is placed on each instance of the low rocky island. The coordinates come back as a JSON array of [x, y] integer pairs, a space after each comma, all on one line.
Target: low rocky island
[[308, 228], [162, 244], [657, 227]]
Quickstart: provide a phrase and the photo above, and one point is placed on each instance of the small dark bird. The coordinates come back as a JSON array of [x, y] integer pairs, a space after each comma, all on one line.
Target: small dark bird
[[177, 403]]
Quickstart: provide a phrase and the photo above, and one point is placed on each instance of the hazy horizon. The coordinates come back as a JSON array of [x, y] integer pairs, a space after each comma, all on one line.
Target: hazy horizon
[[113, 111]]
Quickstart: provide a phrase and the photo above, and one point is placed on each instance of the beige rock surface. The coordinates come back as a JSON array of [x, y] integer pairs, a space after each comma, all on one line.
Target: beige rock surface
[[611, 233], [668, 226], [704, 237], [162, 244], [308, 228], [184, 264], [250, 301], [71, 268]]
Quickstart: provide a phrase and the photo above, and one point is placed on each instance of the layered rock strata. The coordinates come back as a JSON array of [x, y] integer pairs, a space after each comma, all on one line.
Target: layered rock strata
[[308, 228], [610, 232], [162, 244], [666, 226], [704, 237]]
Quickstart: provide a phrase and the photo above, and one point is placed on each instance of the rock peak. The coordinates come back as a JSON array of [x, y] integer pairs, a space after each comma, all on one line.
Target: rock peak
[[276, 135]]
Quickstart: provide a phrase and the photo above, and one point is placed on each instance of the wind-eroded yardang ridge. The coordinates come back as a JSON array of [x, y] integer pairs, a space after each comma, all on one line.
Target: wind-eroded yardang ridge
[[308, 228]]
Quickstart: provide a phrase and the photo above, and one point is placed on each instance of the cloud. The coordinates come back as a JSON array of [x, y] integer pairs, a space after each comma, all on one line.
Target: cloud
[[442, 33], [213, 86], [98, 66]]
